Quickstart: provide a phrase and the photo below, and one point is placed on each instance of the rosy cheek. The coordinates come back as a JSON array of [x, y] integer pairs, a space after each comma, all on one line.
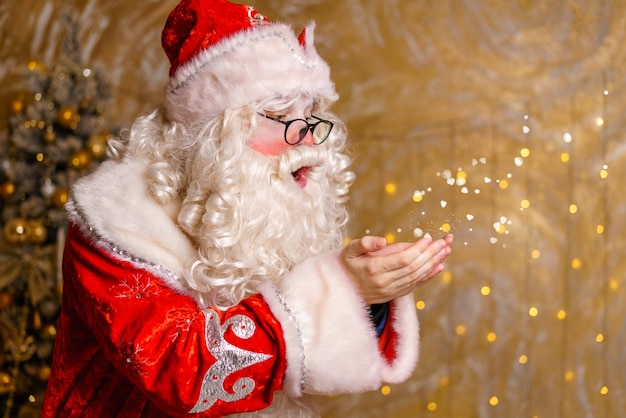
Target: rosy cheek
[[268, 146]]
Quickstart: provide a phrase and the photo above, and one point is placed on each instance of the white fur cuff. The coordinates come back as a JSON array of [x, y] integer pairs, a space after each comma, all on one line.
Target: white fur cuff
[[331, 342]]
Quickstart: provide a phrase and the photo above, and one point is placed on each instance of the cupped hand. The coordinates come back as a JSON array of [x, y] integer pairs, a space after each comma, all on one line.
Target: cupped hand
[[384, 272]]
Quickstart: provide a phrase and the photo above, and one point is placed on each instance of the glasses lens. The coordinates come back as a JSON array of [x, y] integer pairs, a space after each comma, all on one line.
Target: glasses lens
[[321, 131], [296, 131]]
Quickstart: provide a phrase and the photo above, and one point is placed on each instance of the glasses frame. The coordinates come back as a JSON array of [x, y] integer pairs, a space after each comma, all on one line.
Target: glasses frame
[[310, 128]]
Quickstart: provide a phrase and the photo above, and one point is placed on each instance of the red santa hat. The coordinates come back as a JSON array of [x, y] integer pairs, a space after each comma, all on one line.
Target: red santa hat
[[225, 55]]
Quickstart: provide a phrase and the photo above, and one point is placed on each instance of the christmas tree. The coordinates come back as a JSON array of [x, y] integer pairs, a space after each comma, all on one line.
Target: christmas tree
[[56, 134]]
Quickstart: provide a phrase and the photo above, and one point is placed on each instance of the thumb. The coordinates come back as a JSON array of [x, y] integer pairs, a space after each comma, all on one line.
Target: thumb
[[365, 245]]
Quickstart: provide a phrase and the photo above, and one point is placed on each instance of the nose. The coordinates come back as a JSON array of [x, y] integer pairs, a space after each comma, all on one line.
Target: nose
[[308, 138]]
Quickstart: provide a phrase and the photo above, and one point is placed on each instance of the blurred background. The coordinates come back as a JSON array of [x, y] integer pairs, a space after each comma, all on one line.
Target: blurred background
[[501, 121]]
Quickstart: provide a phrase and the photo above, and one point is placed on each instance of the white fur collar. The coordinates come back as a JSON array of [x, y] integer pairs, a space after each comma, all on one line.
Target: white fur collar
[[114, 202]]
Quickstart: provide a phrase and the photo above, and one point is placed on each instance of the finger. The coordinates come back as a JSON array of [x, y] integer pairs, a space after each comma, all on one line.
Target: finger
[[364, 245], [404, 286], [424, 269], [429, 276], [409, 260], [428, 263], [434, 271], [432, 267], [449, 238], [372, 243], [393, 248]]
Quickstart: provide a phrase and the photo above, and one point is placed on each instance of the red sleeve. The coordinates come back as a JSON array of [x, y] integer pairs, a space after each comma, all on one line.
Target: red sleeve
[[185, 359], [386, 339]]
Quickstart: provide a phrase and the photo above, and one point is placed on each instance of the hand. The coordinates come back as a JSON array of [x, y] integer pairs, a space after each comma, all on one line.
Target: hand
[[384, 272]]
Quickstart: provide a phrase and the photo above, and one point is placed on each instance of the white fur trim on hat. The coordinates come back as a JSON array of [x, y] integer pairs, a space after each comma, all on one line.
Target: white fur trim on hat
[[263, 62]]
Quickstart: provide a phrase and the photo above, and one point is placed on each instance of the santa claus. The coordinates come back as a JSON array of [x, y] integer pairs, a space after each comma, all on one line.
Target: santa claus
[[204, 270]]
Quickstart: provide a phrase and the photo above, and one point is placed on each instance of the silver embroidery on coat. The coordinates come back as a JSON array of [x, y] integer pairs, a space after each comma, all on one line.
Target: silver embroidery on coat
[[255, 17], [137, 288], [293, 319], [111, 247], [134, 359], [229, 359]]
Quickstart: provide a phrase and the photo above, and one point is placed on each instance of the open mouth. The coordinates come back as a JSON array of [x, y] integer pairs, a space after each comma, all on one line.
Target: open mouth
[[300, 174], [302, 164]]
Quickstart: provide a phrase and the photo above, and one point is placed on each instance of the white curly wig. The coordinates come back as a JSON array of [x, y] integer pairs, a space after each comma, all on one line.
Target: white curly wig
[[247, 218]]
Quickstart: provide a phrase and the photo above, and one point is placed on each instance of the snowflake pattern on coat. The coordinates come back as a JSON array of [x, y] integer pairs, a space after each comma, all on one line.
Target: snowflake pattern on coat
[[137, 288]]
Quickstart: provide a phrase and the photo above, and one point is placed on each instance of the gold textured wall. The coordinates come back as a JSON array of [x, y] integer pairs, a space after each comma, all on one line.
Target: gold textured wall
[[503, 121]]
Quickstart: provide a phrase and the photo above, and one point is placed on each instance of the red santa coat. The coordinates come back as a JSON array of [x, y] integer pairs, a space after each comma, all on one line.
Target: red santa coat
[[133, 342]]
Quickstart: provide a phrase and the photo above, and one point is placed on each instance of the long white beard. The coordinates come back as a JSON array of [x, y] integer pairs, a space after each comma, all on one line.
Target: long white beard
[[259, 222]]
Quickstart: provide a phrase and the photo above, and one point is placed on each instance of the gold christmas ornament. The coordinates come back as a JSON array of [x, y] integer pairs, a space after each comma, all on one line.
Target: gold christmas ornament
[[16, 105], [43, 373], [49, 135], [38, 231], [5, 382], [7, 300], [36, 66], [97, 144], [68, 117], [49, 332], [80, 159], [58, 199], [17, 231], [7, 189], [36, 324]]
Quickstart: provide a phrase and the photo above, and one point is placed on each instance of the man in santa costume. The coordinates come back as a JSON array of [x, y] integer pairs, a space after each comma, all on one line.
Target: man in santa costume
[[204, 269]]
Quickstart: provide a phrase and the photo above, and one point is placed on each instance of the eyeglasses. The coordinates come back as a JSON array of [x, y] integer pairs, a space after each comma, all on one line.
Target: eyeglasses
[[296, 129]]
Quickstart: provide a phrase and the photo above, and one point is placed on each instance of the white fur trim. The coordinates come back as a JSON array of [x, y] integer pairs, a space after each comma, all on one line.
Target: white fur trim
[[292, 334], [323, 314], [262, 62], [116, 206]]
